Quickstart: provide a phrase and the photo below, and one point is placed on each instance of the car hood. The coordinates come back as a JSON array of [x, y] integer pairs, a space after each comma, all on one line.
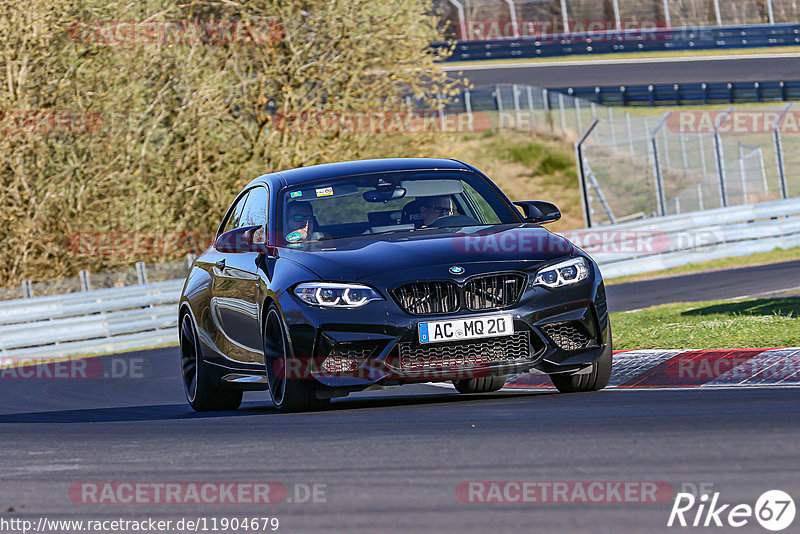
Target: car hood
[[421, 253]]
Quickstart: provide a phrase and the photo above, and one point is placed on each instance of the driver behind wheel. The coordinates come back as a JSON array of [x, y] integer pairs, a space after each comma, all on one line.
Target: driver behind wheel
[[434, 207], [300, 222]]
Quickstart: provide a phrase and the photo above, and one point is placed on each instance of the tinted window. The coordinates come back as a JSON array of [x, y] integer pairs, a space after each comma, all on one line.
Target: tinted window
[[388, 202], [255, 208], [235, 214]]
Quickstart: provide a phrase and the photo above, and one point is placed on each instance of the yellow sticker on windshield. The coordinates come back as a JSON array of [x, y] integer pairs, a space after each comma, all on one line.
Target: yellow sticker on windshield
[[324, 191]]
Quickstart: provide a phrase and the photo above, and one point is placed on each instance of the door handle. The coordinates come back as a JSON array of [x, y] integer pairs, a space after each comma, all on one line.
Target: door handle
[[220, 264]]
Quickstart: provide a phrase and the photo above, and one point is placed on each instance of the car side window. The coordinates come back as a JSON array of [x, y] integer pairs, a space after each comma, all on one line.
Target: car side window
[[235, 215], [255, 208]]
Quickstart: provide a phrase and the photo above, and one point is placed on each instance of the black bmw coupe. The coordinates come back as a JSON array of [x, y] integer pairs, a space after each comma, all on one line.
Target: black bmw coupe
[[337, 278]]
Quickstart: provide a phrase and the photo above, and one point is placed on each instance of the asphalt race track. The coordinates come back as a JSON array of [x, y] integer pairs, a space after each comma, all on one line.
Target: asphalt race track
[[391, 461], [636, 71], [754, 281]]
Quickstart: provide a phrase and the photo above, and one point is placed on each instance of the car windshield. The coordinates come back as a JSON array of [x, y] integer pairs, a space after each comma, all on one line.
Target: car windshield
[[388, 202]]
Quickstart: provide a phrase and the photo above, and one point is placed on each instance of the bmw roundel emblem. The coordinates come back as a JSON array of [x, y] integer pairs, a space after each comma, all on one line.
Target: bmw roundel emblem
[[455, 269]]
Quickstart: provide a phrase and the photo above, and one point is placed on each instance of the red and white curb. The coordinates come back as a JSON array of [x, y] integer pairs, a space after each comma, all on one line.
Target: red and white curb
[[691, 368]]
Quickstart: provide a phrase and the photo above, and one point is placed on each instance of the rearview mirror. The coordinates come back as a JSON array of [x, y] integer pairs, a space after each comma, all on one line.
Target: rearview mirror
[[384, 195], [246, 239], [539, 211]]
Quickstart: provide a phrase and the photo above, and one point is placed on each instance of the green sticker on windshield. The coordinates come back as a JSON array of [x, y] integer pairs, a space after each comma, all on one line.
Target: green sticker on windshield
[[294, 236]]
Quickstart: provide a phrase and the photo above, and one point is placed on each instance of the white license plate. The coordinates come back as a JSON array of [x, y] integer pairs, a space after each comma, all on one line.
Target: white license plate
[[467, 328]]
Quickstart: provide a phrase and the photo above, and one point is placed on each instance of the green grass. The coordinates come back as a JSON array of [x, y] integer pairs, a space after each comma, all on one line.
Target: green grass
[[720, 324], [762, 258], [629, 55]]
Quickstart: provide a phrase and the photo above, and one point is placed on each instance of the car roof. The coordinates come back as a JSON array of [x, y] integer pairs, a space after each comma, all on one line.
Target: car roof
[[350, 168]]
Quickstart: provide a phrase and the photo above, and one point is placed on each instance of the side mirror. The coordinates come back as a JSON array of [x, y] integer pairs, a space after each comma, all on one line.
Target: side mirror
[[246, 239], [539, 211]]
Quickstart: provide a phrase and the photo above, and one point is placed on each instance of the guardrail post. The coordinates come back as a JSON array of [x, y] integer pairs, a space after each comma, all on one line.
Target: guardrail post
[[85, 282], [723, 194], [27, 289], [141, 272], [587, 217]]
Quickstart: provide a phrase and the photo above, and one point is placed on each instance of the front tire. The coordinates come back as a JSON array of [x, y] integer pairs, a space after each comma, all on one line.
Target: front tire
[[595, 380], [202, 392], [289, 394], [484, 384]]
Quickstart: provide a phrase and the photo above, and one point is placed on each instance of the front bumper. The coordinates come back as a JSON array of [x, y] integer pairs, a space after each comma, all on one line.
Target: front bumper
[[555, 331]]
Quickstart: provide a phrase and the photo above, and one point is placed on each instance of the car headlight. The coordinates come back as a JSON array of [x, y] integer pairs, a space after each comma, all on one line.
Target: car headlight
[[562, 274], [336, 295]]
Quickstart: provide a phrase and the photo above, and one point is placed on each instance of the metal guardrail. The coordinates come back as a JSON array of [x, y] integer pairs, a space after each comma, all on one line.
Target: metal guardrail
[[702, 236], [89, 322], [680, 94], [690, 38]]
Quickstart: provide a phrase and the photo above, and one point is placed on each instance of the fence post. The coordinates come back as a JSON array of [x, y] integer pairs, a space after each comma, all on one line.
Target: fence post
[[763, 171], [770, 12], [565, 15], [700, 197], [611, 125], [563, 112], [498, 96], [587, 217], [617, 20], [741, 173], [776, 134], [717, 13], [576, 104], [517, 111], [659, 183], [27, 289], [666, 14], [461, 22], [702, 153], [530, 106], [723, 195], [468, 107], [85, 282], [440, 106], [141, 272], [513, 11], [630, 132], [546, 101]]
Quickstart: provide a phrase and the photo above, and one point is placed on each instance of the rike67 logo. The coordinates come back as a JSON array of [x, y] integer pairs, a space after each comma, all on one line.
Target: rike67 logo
[[774, 510]]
